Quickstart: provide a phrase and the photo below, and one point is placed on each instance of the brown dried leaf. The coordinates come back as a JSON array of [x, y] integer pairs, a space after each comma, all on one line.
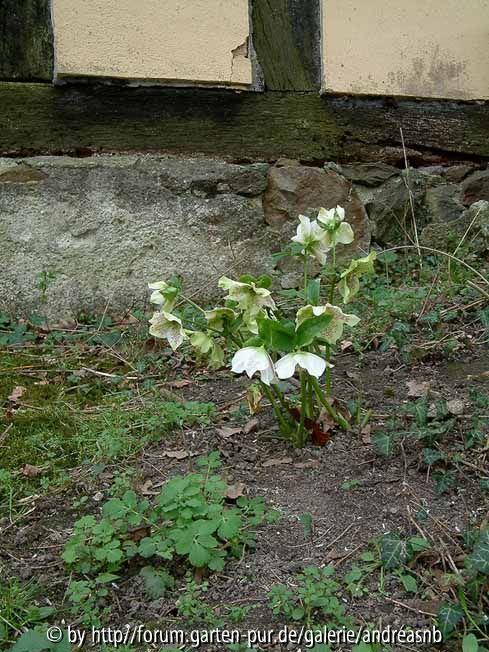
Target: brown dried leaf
[[234, 491], [417, 388], [178, 384], [176, 455], [250, 426], [345, 345], [227, 431], [17, 392], [312, 464], [31, 471], [277, 461]]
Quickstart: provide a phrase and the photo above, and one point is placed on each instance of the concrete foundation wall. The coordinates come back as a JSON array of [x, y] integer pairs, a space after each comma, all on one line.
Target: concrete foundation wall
[[105, 226]]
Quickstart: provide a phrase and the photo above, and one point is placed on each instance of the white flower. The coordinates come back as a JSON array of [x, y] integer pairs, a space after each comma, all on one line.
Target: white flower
[[336, 230], [349, 283], [248, 297], [201, 341], [157, 297], [313, 237], [252, 359], [333, 330], [167, 326], [312, 363], [217, 317]]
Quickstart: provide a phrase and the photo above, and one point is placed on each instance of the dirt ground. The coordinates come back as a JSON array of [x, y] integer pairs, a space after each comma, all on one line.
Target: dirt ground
[[383, 494]]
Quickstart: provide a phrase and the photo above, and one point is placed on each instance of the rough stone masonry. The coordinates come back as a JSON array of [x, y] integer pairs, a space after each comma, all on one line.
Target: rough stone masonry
[[107, 225]]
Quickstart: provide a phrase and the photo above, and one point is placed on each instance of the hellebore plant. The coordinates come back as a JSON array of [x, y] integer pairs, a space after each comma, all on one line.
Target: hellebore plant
[[270, 346]]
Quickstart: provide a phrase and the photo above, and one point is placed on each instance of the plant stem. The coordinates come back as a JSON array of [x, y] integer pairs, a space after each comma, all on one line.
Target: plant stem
[[301, 434], [310, 389], [280, 418], [340, 420], [306, 266], [333, 279]]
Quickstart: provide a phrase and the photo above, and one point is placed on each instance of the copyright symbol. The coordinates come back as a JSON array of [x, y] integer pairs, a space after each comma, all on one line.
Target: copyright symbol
[[54, 634]]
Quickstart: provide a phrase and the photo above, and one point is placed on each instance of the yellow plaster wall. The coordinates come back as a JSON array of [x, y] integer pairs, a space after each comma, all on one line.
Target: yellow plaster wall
[[201, 41], [426, 48]]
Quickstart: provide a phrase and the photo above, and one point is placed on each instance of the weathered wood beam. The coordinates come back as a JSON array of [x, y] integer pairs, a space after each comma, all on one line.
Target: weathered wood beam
[[287, 41], [26, 44], [40, 118]]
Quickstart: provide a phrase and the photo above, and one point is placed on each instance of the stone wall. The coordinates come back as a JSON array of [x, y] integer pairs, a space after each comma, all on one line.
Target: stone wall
[[107, 225]]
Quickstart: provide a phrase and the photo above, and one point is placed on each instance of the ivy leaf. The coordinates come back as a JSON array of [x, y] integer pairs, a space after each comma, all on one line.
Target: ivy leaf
[[480, 554], [409, 583], [383, 443], [312, 328], [444, 480], [430, 456], [393, 551], [470, 643], [449, 616]]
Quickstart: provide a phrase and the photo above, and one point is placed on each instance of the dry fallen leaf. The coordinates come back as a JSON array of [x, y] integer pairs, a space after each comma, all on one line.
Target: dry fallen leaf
[[145, 489], [367, 434], [417, 388], [345, 345], [250, 426], [30, 471], [17, 392], [234, 491], [312, 464], [178, 384], [177, 455], [227, 431], [277, 461]]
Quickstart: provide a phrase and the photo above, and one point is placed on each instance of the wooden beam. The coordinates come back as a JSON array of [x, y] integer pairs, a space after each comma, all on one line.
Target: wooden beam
[[40, 118], [287, 41], [26, 44]]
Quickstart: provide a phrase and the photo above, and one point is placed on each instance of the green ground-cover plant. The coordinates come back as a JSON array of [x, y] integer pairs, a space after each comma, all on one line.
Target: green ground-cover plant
[[262, 338], [443, 446], [20, 607], [60, 438], [466, 615], [311, 599], [189, 523]]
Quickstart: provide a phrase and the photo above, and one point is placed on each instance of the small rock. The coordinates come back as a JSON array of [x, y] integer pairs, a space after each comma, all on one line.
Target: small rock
[[455, 406], [456, 173], [369, 174], [302, 189], [476, 187]]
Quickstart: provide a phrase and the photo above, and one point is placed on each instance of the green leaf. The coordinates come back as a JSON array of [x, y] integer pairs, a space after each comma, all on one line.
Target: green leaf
[[230, 526], [469, 643], [306, 520], [480, 555], [383, 443], [449, 616], [418, 543], [393, 551], [277, 335], [444, 480], [156, 582], [198, 555], [312, 328], [430, 456], [409, 583], [313, 291]]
